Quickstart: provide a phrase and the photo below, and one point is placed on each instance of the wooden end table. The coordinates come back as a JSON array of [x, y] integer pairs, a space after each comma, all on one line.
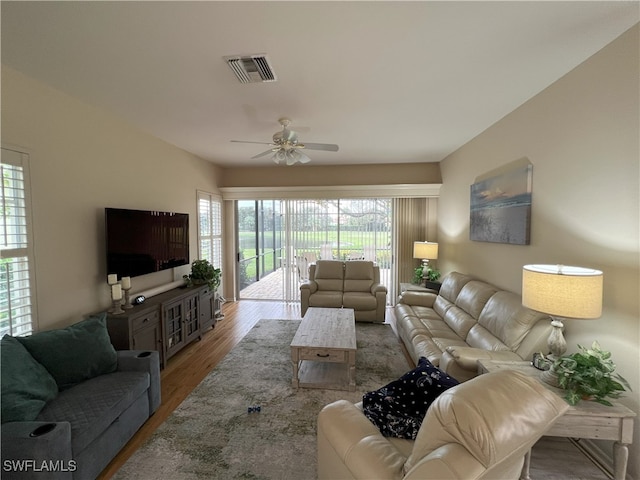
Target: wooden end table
[[323, 350], [412, 287], [584, 420]]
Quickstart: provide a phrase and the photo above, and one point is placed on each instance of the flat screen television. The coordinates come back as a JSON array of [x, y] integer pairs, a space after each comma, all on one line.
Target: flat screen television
[[141, 242]]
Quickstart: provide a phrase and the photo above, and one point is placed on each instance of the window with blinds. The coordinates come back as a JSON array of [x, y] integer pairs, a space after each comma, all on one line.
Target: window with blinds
[[16, 289], [210, 228]]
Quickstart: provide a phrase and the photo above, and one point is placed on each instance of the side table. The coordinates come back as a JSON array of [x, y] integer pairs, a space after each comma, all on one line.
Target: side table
[[584, 420], [412, 287]]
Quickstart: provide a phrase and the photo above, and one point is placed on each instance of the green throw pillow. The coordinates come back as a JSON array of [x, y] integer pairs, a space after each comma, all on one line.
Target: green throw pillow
[[75, 353], [26, 385]]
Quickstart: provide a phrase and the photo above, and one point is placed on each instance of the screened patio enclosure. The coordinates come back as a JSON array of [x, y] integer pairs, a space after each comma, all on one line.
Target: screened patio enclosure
[[278, 239]]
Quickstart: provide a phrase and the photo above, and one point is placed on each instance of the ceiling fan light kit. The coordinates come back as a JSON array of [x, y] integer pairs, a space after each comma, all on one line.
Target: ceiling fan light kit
[[286, 147]]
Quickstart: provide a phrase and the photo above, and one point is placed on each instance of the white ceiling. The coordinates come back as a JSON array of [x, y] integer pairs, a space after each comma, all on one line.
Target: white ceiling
[[388, 81]]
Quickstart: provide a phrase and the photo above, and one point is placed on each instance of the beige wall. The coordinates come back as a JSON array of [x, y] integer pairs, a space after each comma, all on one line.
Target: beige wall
[[582, 136], [83, 160], [272, 176]]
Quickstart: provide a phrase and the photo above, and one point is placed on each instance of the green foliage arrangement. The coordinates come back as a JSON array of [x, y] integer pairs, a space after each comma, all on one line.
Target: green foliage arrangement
[[203, 272], [589, 373], [432, 275]]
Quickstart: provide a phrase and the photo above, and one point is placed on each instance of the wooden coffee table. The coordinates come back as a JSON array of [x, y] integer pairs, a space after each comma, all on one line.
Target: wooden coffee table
[[323, 351]]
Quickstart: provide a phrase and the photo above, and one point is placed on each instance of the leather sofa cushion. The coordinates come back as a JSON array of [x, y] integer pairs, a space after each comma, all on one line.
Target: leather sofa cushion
[[474, 296], [358, 276], [459, 321], [441, 305], [480, 337], [505, 317], [91, 406], [326, 299], [361, 301], [452, 285], [329, 275], [431, 348]]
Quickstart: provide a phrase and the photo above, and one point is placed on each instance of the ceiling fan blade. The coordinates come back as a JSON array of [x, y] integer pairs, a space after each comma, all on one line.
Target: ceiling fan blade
[[329, 147], [263, 153], [259, 143], [303, 158]]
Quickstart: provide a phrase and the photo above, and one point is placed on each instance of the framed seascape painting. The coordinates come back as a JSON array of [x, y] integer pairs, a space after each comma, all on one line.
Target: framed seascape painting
[[501, 207]]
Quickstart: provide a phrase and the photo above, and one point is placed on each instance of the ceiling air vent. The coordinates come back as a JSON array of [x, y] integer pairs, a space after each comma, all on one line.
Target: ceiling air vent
[[251, 68]]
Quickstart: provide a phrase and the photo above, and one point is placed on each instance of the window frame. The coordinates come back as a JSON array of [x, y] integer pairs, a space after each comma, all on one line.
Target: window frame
[[214, 235], [21, 158]]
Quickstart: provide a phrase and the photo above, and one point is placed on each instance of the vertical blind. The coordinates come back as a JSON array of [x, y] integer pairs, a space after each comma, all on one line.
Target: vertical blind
[[411, 217]]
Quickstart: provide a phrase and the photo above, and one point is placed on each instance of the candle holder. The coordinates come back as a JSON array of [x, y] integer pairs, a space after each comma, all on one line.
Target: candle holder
[[116, 309], [127, 303]]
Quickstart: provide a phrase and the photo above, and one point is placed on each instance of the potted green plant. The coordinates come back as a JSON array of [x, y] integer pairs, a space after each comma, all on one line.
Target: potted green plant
[[202, 272], [417, 275], [432, 274], [589, 374]]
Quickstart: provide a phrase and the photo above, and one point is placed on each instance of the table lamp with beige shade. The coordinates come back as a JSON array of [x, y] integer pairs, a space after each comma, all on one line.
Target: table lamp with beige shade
[[425, 251], [561, 292]]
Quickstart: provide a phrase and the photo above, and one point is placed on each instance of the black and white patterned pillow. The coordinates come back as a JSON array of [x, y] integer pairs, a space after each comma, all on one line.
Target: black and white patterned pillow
[[399, 407]]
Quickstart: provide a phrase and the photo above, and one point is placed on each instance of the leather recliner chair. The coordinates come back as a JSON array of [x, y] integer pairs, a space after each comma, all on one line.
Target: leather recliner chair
[[480, 429], [351, 284]]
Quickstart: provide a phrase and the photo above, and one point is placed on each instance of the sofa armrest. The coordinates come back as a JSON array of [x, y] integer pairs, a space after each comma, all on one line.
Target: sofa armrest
[[143, 361], [423, 299], [311, 286], [27, 445], [467, 357], [378, 287], [350, 446]]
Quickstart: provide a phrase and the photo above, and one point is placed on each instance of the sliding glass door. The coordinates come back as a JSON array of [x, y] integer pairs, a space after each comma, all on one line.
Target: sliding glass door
[[260, 246], [278, 239]]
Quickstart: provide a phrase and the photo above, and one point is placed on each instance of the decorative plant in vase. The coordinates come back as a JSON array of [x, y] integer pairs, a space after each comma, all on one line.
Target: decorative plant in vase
[[202, 272], [589, 373], [432, 274]]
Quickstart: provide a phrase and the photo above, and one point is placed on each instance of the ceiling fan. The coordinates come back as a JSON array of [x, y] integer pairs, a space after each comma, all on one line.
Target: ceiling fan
[[286, 149]]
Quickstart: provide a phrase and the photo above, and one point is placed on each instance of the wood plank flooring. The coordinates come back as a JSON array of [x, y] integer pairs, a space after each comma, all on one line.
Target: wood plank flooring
[[553, 458]]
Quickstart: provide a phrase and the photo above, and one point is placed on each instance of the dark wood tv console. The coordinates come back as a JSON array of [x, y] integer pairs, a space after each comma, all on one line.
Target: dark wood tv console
[[166, 322]]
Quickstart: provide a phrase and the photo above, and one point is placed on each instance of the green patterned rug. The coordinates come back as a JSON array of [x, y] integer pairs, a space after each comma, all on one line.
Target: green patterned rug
[[212, 434]]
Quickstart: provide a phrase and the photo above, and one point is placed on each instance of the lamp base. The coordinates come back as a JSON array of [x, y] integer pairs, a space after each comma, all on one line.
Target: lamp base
[[550, 377]]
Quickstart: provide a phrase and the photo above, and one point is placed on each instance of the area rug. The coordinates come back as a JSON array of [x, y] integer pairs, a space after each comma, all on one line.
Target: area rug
[[212, 434]]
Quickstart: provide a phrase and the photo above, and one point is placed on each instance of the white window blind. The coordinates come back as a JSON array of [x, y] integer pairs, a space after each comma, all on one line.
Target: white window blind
[[210, 228], [16, 305]]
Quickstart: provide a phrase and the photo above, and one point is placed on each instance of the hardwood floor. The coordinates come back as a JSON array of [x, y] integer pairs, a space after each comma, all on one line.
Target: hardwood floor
[[189, 367]]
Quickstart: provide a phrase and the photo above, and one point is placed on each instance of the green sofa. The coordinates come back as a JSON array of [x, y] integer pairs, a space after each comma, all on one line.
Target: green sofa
[[70, 402]]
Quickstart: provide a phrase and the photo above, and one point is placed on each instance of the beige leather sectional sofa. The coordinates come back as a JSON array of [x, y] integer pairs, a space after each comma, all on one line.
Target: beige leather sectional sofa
[[469, 320]]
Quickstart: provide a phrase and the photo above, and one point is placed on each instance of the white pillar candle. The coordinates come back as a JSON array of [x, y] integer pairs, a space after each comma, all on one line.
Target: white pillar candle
[[126, 282], [116, 292], [112, 278]]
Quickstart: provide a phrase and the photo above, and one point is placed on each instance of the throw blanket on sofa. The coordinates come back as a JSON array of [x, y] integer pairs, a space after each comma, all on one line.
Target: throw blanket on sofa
[[399, 407]]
